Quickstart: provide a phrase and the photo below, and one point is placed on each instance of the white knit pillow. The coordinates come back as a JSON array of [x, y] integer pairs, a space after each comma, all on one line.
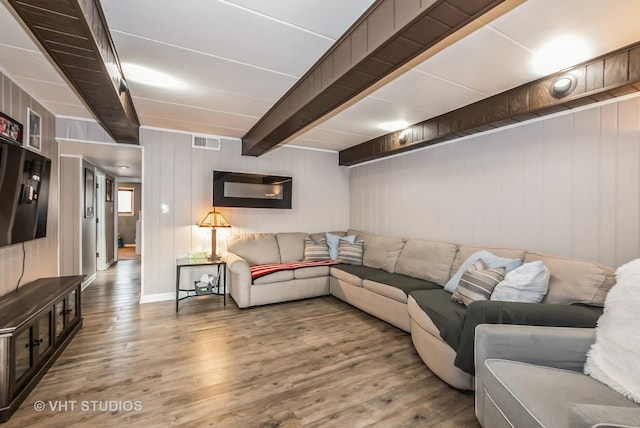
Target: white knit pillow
[[614, 357]]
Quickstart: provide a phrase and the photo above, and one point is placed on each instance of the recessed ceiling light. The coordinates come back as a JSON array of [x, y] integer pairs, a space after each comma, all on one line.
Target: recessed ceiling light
[[123, 167], [394, 125], [559, 53], [149, 76]]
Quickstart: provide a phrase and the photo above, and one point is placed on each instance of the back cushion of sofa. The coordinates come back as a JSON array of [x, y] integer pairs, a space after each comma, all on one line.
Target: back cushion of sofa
[[255, 248], [464, 252], [360, 236], [575, 281], [428, 260], [382, 252], [323, 235], [291, 246]]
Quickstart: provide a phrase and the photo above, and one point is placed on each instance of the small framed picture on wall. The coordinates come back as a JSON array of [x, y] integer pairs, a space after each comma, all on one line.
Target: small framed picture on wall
[[34, 130], [89, 187]]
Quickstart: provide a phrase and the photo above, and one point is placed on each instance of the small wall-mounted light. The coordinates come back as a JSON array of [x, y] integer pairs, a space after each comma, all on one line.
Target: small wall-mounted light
[[563, 85], [122, 87], [404, 136]]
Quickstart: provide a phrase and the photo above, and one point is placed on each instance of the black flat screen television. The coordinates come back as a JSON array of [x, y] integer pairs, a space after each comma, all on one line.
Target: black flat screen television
[[24, 194], [239, 189]]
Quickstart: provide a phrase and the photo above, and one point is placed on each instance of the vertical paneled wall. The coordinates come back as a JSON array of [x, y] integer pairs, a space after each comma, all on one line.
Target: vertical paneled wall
[[71, 207], [177, 192], [41, 255], [567, 185]]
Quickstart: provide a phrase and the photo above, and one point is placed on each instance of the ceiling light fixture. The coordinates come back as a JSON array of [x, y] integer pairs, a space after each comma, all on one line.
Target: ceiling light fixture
[[559, 53], [123, 167], [151, 77], [394, 125], [563, 85]]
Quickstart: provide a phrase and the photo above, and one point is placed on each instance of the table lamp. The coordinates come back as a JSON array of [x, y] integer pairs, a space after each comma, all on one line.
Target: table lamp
[[214, 220]]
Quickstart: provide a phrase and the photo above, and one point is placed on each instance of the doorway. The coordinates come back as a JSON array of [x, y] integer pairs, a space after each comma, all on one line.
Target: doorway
[[129, 197]]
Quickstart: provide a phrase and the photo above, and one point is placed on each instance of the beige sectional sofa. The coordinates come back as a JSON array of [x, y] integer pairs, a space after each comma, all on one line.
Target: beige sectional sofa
[[401, 282], [267, 248]]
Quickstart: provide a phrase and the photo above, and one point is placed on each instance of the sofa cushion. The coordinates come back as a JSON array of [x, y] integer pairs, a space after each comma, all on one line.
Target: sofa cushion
[[464, 252], [360, 236], [350, 254], [316, 250], [281, 275], [291, 246], [348, 273], [382, 252], [536, 396], [311, 272], [445, 314], [428, 260], [323, 235], [395, 286], [385, 290], [574, 281], [477, 283], [255, 248]]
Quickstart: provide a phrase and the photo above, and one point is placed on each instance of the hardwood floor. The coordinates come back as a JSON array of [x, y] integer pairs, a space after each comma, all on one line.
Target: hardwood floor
[[312, 363]]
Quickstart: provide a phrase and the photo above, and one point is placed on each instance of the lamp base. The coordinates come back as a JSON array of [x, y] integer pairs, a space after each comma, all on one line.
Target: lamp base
[[214, 245]]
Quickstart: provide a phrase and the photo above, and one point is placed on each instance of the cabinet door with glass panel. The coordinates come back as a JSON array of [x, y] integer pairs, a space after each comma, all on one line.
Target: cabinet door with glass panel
[[32, 344], [66, 312]]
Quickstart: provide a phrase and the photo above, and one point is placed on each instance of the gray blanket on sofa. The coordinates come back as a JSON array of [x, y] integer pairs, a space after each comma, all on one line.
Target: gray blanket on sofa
[[457, 324]]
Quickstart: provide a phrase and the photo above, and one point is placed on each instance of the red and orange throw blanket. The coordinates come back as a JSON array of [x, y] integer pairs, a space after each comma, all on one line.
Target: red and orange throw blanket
[[261, 270]]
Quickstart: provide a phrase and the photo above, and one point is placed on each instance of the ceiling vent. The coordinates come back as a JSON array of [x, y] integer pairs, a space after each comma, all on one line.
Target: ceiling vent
[[206, 142]]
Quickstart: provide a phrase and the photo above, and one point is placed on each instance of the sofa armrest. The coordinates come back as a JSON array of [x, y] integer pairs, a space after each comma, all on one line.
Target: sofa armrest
[[239, 277], [539, 314], [591, 415], [559, 347]]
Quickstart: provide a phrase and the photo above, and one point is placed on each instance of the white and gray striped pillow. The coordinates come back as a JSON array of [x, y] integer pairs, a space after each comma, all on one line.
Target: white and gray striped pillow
[[477, 283], [316, 250], [350, 254]]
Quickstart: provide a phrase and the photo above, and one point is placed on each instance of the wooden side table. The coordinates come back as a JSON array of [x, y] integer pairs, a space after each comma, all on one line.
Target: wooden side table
[[221, 278]]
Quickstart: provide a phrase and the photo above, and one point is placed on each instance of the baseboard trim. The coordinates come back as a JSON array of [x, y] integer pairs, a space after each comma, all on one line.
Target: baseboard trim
[[161, 297], [88, 280]]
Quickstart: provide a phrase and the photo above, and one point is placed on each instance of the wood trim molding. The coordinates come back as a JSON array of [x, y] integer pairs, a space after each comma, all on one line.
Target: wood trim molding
[[614, 74], [75, 36], [388, 36]]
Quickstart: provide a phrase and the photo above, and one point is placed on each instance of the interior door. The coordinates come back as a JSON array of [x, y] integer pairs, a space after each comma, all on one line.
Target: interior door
[[101, 239]]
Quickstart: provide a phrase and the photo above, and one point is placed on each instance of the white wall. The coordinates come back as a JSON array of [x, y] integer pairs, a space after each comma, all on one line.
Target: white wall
[[41, 255], [177, 192], [567, 185]]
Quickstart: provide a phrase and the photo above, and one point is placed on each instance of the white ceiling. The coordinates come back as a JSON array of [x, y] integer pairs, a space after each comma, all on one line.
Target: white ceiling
[[111, 157], [238, 57]]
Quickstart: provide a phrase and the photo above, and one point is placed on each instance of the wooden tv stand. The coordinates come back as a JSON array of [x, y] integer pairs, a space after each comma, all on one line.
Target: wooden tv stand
[[36, 323]]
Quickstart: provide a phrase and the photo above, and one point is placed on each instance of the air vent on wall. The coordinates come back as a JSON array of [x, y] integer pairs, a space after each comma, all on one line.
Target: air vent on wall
[[206, 142]]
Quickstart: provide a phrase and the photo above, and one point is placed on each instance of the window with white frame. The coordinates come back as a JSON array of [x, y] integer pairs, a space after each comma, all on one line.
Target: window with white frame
[[125, 201]]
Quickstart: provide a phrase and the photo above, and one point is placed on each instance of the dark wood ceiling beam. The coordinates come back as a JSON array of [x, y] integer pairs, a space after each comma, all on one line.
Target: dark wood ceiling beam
[[388, 36], [75, 36], [612, 75]]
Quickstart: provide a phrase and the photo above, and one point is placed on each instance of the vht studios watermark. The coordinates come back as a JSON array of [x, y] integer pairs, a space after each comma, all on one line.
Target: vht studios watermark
[[111, 406]]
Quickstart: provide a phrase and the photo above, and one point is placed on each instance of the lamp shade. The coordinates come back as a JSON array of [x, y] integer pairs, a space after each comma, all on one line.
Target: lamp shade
[[214, 219]]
